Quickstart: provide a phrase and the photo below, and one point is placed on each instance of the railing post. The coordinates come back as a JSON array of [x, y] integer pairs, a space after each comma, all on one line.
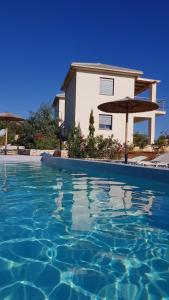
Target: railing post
[[152, 92]]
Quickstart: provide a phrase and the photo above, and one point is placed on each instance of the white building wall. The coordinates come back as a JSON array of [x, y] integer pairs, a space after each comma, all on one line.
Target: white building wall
[[88, 97], [62, 110], [70, 103], [82, 95]]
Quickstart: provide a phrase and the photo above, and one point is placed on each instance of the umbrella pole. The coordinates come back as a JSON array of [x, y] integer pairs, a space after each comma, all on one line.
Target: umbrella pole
[[6, 140], [126, 139]]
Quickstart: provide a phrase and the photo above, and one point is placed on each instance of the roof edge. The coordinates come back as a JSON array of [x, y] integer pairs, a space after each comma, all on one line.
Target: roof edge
[[57, 97], [77, 67], [149, 80]]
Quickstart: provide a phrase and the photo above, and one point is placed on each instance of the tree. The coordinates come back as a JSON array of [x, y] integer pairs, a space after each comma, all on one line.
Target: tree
[[91, 141], [91, 125], [14, 129], [40, 130], [161, 142]]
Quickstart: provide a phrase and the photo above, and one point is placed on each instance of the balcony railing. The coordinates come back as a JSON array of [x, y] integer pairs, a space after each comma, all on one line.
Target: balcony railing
[[160, 102], [162, 105]]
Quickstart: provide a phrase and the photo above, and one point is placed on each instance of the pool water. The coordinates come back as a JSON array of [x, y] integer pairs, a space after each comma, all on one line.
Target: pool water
[[72, 235]]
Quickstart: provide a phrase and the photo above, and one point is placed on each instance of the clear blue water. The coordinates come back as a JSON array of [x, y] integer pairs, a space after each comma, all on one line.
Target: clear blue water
[[72, 235]]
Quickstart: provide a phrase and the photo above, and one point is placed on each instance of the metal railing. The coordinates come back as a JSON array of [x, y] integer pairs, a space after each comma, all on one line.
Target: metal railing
[[162, 105], [160, 102]]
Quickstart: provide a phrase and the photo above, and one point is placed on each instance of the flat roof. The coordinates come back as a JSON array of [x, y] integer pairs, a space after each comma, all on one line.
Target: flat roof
[[57, 97], [141, 84], [100, 68]]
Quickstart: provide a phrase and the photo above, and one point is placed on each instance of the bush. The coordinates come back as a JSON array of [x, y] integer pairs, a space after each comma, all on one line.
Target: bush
[[109, 147], [46, 143], [79, 147], [13, 130], [76, 144], [161, 142], [93, 146], [40, 131], [140, 140]]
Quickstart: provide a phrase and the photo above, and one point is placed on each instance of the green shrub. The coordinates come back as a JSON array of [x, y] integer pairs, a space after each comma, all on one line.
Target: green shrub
[[46, 143], [109, 147], [76, 144], [13, 130], [161, 142], [93, 146], [40, 124], [140, 140]]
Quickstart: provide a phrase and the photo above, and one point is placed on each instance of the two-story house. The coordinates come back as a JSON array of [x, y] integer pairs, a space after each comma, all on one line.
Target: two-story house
[[59, 105], [87, 85]]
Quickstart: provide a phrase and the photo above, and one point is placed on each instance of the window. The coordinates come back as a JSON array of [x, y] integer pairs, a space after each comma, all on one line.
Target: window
[[105, 122], [106, 86]]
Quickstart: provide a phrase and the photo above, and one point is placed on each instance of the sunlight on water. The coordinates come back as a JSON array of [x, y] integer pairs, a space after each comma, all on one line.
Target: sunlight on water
[[67, 235]]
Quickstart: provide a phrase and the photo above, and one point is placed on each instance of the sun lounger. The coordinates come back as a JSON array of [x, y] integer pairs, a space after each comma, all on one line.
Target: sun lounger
[[136, 160], [11, 149], [162, 158], [154, 164]]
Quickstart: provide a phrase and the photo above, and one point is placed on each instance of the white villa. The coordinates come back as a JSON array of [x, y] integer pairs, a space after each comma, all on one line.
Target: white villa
[[87, 85], [59, 105]]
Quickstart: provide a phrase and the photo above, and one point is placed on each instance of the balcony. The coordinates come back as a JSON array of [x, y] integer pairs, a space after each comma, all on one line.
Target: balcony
[[162, 105], [160, 102]]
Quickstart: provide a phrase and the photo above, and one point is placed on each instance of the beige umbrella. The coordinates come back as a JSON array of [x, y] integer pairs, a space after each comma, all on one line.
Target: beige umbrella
[[8, 117], [126, 106]]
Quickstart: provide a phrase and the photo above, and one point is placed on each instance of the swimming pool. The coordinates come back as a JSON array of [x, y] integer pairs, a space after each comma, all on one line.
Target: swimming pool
[[73, 235]]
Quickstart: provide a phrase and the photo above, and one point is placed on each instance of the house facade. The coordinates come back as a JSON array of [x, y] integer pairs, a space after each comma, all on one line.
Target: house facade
[[59, 105], [87, 85]]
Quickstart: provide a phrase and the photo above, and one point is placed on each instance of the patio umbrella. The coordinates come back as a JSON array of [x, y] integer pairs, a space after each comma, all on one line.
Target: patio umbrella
[[8, 117], [126, 106]]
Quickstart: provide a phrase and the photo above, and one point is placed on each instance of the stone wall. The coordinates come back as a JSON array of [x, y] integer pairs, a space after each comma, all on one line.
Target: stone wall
[[149, 148], [34, 152], [38, 152], [61, 153]]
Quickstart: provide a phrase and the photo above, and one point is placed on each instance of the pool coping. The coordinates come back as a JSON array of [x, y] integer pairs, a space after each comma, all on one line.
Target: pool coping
[[146, 172], [20, 158]]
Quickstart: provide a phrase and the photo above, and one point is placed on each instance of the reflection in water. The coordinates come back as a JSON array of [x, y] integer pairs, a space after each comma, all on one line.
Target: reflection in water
[[4, 177], [93, 198], [75, 236]]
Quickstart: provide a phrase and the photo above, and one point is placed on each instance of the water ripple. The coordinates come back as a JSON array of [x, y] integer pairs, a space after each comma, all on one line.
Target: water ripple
[[77, 236]]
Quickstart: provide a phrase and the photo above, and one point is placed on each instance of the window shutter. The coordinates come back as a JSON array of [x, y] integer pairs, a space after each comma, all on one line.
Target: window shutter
[[106, 86], [105, 120]]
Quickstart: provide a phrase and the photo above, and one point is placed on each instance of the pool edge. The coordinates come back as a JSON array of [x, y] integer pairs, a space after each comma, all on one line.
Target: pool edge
[[149, 173]]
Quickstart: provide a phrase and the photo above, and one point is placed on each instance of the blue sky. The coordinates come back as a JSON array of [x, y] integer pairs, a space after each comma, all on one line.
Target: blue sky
[[39, 39]]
